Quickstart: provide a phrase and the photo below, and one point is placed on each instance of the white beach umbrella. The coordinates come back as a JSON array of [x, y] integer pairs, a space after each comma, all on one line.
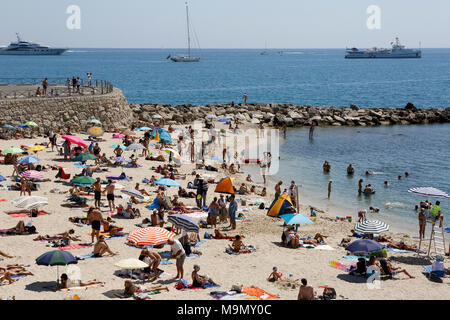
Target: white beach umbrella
[[30, 202], [211, 116], [131, 263], [135, 146], [371, 227], [133, 193], [156, 116]]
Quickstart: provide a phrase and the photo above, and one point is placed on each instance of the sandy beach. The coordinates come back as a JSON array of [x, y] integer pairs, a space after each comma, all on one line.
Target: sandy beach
[[253, 269]]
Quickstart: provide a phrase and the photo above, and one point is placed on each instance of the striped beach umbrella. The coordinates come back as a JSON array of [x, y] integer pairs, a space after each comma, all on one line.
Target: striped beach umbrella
[[429, 192], [173, 152], [133, 193], [152, 236], [183, 222], [371, 227], [29, 159], [32, 174]]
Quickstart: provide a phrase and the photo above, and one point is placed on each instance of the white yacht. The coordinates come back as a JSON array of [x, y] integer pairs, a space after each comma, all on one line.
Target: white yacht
[[24, 48], [186, 57], [398, 51]]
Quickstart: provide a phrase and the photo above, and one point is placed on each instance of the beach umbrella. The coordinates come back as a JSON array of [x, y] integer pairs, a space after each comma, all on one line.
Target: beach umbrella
[[135, 146], [183, 222], [95, 121], [32, 174], [121, 146], [56, 258], [29, 159], [224, 120], [279, 205], [156, 116], [133, 193], [364, 246], [13, 150], [164, 136], [36, 148], [122, 159], [157, 136], [174, 152], [429, 192], [31, 124], [144, 129], [8, 126], [30, 202], [152, 236], [211, 116], [22, 126], [84, 157], [296, 219], [95, 131], [2, 178], [225, 186], [75, 140], [131, 263], [371, 227], [167, 182], [119, 136], [255, 121], [83, 181]]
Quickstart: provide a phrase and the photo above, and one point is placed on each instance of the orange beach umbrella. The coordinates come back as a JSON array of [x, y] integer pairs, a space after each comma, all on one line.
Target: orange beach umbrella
[[225, 186]]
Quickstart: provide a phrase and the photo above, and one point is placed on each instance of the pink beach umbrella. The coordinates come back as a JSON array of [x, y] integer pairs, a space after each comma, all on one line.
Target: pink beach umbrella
[[75, 140], [32, 174], [119, 136]]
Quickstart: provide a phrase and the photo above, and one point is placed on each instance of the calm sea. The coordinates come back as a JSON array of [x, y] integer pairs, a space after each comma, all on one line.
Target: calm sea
[[316, 77]]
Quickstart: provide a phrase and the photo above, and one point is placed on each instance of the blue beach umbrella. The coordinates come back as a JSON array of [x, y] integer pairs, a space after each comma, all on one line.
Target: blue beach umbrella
[[29, 159], [8, 126], [167, 182], [296, 219], [22, 126], [165, 137], [122, 159], [2, 178], [183, 222], [364, 246], [121, 146], [144, 129], [224, 120]]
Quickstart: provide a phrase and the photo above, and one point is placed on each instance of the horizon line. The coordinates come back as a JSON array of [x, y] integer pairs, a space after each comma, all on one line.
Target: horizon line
[[212, 48]]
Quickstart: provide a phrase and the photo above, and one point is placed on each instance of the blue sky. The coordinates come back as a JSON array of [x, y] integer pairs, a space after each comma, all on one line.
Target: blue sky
[[227, 24]]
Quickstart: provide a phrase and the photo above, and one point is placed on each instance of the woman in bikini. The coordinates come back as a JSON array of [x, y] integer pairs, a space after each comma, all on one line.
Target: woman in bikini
[[199, 281]]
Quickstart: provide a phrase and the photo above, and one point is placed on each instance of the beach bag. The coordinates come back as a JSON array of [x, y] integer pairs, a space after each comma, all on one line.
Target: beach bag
[[182, 284], [329, 294], [207, 235]]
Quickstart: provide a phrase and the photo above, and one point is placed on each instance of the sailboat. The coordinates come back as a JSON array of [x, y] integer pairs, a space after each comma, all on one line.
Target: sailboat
[[265, 53], [186, 57]]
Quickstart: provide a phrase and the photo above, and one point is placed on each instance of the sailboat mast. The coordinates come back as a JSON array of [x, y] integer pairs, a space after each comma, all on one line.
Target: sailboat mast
[[188, 31]]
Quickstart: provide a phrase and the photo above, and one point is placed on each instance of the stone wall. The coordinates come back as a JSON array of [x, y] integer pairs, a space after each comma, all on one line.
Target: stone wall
[[293, 115], [111, 109]]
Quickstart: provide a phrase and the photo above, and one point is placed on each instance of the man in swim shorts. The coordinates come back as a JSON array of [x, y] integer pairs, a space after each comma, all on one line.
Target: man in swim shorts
[[97, 192], [96, 220]]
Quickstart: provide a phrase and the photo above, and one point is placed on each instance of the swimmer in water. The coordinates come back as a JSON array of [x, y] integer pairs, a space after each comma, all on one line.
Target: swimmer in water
[[399, 177], [386, 184], [376, 210], [368, 173], [406, 174]]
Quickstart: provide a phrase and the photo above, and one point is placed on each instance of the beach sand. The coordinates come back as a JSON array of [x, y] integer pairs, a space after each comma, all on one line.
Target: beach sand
[[227, 270]]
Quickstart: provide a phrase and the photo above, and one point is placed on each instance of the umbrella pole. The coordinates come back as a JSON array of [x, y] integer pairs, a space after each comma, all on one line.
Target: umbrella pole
[[57, 275]]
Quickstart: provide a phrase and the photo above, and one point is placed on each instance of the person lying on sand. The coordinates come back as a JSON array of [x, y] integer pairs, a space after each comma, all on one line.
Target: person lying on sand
[[79, 220], [131, 289], [158, 158], [274, 276], [14, 270], [184, 194], [21, 228], [145, 193], [68, 235], [387, 269], [318, 239], [66, 283], [101, 248], [401, 245], [5, 255], [199, 281], [110, 228], [237, 244]]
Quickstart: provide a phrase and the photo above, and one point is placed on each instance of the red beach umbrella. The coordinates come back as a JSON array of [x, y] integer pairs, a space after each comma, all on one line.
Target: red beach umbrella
[[75, 140]]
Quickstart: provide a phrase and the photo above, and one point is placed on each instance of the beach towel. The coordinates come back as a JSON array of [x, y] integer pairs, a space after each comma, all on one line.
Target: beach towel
[[324, 247], [122, 295], [75, 246], [165, 262], [343, 265], [198, 244], [121, 177], [259, 293], [447, 229], [354, 257], [230, 295], [84, 287], [397, 250], [23, 214], [85, 256], [205, 286], [248, 249], [128, 165]]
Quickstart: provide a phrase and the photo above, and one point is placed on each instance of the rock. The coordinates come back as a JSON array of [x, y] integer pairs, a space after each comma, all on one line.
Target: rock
[[353, 107], [410, 106]]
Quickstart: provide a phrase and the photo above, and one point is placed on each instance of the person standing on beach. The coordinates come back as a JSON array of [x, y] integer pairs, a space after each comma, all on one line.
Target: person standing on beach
[[329, 189], [222, 209], [245, 97], [109, 189], [78, 84], [360, 186], [95, 218], [422, 223], [44, 86], [284, 131], [278, 189], [263, 167], [74, 84], [192, 151], [97, 192], [177, 252], [232, 208]]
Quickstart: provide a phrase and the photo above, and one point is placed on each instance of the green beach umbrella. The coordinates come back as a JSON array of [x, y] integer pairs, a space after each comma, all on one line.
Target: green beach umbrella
[[84, 157], [56, 258], [31, 124], [13, 150], [83, 181]]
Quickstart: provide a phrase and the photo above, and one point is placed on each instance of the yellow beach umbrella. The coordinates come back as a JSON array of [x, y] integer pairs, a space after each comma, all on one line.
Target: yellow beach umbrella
[[36, 148], [95, 131]]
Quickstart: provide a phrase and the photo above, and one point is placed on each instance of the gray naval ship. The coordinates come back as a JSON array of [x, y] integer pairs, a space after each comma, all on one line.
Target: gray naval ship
[[24, 48], [398, 51]]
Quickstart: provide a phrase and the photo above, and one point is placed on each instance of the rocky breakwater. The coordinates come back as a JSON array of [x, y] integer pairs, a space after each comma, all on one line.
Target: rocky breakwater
[[295, 116], [112, 109]]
